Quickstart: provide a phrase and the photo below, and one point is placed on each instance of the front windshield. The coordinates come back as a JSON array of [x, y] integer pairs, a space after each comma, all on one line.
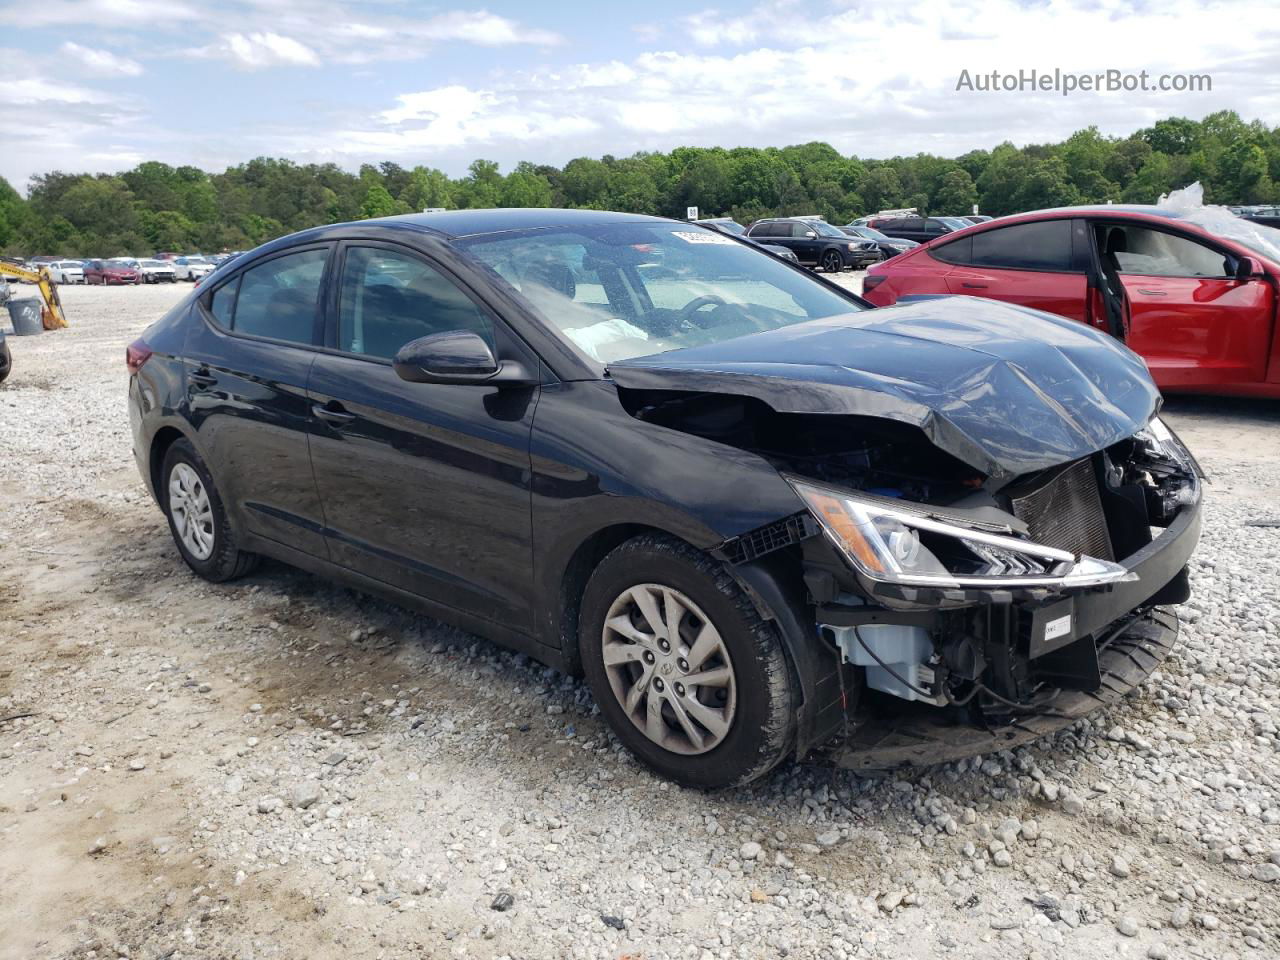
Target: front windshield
[[955, 222], [620, 290], [826, 229]]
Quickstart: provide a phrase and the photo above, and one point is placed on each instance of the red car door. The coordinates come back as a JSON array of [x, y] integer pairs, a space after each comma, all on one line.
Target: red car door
[[1032, 264], [1190, 317]]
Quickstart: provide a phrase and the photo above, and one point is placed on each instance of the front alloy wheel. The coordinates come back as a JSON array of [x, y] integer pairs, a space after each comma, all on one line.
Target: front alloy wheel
[[832, 262], [685, 670], [669, 669]]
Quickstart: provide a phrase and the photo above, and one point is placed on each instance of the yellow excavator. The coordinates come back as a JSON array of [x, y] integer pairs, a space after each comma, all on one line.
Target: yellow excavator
[[51, 315]]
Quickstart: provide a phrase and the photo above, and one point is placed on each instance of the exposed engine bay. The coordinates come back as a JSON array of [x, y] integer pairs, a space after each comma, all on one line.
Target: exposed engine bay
[[980, 631]]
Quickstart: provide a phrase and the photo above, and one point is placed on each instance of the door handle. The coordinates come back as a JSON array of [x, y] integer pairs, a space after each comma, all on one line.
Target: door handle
[[202, 378], [973, 286], [333, 413], [1153, 293]]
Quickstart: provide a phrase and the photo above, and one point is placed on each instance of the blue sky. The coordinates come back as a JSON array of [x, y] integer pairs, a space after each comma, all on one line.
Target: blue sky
[[101, 84]]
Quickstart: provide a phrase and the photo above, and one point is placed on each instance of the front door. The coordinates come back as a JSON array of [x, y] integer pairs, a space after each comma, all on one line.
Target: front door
[[246, 369], [425, 486], [1195, 323]]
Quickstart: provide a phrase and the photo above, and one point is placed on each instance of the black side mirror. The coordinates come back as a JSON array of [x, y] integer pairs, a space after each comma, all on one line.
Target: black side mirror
[[457, 356], [1247, 268]]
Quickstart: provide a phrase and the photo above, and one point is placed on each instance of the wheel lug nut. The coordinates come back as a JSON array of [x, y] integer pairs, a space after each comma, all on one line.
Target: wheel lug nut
[[683, 664], [664, 646], [679, 689], [658, 684], [648, 657]]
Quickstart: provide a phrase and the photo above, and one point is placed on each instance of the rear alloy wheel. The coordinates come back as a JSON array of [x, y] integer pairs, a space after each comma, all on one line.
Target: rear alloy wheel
[[684, 669], [832, 262], [197, 519]]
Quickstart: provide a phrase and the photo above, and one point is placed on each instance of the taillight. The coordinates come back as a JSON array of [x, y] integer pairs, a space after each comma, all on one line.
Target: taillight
[[135, 355], [871, 281]]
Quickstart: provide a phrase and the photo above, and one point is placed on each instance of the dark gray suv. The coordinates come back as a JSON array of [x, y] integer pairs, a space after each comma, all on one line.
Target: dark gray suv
[[816, 243]]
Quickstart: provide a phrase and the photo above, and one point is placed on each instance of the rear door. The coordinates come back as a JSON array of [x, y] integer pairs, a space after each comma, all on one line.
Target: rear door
[[426, 486], [1041, 264], [1195, 323], [246, 369]]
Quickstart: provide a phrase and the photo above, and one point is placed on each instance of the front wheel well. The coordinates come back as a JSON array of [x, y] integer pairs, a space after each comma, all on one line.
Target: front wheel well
[[578, 571]]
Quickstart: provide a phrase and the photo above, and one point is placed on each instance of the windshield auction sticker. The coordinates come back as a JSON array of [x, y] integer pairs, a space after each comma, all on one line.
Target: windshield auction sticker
[[701, 236]]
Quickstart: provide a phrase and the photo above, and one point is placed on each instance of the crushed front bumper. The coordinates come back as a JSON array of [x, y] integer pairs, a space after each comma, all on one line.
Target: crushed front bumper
[[1131, 624], [921, 737]]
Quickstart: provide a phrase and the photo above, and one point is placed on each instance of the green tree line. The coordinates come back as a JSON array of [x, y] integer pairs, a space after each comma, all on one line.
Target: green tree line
[[158, 207]]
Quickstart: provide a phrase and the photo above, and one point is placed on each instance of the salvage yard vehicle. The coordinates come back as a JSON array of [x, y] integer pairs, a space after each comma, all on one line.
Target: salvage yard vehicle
[[734, 228], [67, 271], [1193, 291], [888, 246], [815, 242], [762, 519], [109, 271], [156, 271], [191, 268]]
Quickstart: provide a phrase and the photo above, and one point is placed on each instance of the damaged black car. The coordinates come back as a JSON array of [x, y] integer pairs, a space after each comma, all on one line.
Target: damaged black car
[[764, 520]]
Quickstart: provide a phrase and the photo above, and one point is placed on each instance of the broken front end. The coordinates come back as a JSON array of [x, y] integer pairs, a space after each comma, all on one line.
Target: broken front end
[[962, 613]]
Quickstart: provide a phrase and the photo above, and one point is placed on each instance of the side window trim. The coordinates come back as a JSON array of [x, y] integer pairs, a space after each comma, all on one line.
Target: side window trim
[[205, 299], [333, 298]]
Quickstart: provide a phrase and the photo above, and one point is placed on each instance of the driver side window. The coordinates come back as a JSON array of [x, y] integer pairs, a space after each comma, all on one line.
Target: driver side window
[[390, 298], [1152, 253]]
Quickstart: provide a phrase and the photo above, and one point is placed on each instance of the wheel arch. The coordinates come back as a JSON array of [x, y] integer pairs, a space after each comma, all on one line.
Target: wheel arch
[[164, 438], [577, 571]]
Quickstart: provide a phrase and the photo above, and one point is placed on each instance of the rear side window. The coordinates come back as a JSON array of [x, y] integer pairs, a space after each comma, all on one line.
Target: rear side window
[[278, 299], [390, 298], [1024, 246]]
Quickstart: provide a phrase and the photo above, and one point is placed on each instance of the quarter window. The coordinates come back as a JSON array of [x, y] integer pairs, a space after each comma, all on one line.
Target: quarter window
[[278, 299], [223, 302], [390, 298]]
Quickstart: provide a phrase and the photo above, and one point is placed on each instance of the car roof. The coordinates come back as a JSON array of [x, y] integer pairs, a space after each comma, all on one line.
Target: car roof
[[468, 223]]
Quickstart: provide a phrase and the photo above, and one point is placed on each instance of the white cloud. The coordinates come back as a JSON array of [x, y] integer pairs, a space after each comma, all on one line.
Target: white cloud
[[875, 80], [276, 33], [102, 62], [255, 51]]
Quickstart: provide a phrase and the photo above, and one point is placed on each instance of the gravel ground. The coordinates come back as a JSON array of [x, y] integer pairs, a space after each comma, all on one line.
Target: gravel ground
[[284, 768]]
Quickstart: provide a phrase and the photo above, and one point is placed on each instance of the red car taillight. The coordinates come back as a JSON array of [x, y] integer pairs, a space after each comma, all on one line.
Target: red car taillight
[[135, 355], [871, 281]]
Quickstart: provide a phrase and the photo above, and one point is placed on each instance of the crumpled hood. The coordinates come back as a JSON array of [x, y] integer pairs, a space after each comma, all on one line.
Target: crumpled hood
[[1006, 389]]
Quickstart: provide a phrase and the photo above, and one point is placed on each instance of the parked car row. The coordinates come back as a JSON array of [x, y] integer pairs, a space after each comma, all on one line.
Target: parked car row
[[162, 268]]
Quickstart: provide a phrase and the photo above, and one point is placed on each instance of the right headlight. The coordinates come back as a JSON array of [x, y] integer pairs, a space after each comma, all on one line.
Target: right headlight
[[904, 544]]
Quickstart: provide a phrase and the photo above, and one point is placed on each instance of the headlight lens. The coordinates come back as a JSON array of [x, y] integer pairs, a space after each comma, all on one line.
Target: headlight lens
[[1159, 439], [902, 545]]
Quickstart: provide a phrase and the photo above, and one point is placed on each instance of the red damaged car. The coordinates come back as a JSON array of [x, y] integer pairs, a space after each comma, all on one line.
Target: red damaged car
[[110, 271], [1193, 291]]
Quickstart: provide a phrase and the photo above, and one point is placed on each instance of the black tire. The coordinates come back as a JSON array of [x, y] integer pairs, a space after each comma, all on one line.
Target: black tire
[[762, 730], [226, 561], [832, 261]]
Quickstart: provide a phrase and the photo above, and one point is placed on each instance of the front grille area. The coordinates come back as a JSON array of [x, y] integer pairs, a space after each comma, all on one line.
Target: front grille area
[[1063, 509]]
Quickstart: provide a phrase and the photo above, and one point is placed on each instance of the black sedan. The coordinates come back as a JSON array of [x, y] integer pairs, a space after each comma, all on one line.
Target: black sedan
[[888, 246], [763, 520]]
